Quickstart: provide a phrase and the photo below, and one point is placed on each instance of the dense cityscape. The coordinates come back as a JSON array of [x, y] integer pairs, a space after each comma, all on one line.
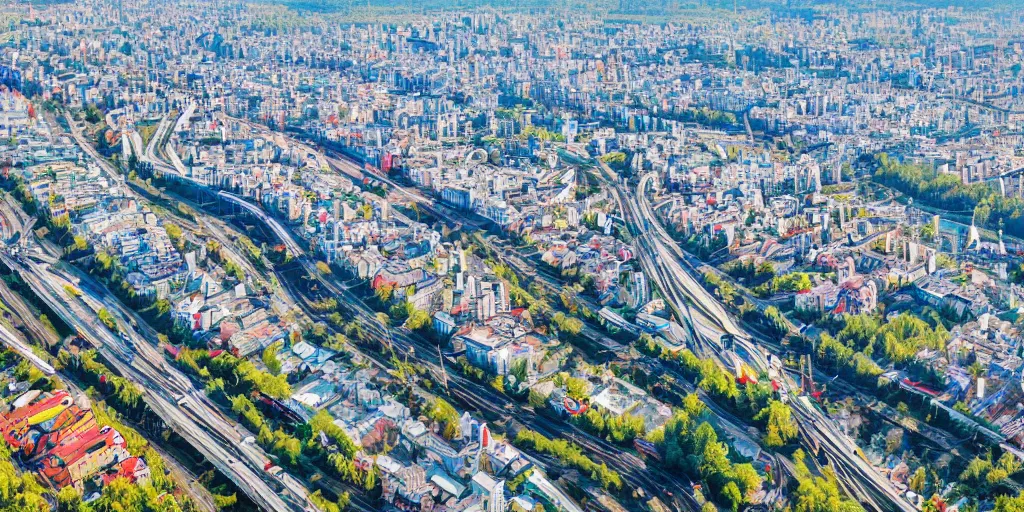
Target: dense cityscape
[[315, 256]]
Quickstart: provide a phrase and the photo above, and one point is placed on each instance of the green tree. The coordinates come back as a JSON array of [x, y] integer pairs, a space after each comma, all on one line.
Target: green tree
[[418, 320], [68, 500], [822, 495], [270, 357], [225, 501], [323, 422], [576, 388], [747, 479], [250, 414], [818, 494], [107, 319], [384, 292], [732, 495], [780, 426], [174, 233], [1010, 503]]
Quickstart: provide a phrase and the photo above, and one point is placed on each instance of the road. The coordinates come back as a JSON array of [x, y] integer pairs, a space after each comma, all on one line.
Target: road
[[197, 492], [169, 393], [666, 265]]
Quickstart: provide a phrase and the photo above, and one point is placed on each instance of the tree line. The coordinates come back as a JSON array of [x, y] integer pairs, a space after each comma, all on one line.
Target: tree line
[[946, 191]]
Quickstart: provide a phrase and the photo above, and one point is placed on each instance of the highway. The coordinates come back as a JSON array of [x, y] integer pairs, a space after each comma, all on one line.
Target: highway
[[14, 343], [199, 494], [168, 392], [665, 263]]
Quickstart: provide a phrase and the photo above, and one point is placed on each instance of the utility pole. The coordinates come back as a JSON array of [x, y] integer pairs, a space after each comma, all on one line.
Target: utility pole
[[810, 372], [444, 374]]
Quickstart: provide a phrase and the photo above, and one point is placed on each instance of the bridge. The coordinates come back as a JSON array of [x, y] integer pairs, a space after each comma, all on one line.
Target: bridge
[[869, 238]]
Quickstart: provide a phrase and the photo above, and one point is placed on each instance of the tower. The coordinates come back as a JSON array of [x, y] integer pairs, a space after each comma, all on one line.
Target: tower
[[496, 501], [337, 222]]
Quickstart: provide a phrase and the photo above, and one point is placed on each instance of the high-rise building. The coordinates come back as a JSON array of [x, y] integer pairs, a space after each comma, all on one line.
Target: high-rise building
[[496, 500]]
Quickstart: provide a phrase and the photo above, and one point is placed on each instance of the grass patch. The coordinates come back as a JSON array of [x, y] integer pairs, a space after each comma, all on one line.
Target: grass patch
[[146, 131]]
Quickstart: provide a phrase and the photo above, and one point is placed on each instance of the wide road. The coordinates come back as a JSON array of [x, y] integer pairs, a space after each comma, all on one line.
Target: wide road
[[667, 266], [169, 393]]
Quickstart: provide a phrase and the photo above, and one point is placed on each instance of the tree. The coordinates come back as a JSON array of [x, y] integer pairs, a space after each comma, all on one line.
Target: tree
[[270, 357], [93, 114], [1010, 503], [325, 305], [442, 412], [822, 495], [244, 407], [384, 292], [975, 370], [68, 500], [792, 282], [568, 325], [418, 320], [107, 319], [714, 455], [569, 454], [287, 448], [765, 270], [576, 388], [747, 479], [120, 495], [917, 480], [370, 482], [982, 212], [174, 233], [780, 427], [80, 243], [732, 495], [323, 422], [225, 502], [536, 400], [615, 159], [323, 268], [498, 383]]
